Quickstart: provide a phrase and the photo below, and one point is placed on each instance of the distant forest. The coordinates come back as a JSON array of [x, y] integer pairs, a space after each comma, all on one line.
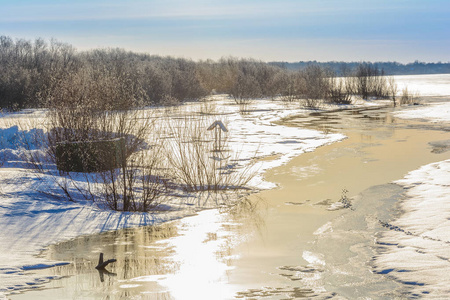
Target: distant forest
[[389, 68], [53, 74]]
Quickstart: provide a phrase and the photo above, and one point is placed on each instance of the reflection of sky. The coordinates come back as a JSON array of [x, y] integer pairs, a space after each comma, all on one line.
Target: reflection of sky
[[271, 30], [200, 252]]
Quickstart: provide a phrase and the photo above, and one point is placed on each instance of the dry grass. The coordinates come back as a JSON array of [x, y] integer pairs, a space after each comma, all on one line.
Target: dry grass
[[194, 162], [408, 98]]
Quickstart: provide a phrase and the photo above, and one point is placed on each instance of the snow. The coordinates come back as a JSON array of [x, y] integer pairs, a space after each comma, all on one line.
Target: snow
[[416, 250], [11, 137], [31, 220], [434, 112], [425, 85]]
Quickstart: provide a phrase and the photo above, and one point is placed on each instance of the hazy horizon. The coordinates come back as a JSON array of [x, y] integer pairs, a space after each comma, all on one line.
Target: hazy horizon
[[286, 30]]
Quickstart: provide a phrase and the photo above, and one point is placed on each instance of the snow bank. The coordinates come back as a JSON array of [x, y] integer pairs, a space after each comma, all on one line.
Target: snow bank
[[433, 112], [417, 249], [12, 142]]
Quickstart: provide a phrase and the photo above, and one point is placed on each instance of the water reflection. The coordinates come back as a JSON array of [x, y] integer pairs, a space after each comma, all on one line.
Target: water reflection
[[248, 211], [140, 251], [186, 259]]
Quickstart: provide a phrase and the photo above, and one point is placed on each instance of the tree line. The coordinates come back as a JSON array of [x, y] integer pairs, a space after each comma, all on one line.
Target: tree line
[[390, 68], [54, 74]]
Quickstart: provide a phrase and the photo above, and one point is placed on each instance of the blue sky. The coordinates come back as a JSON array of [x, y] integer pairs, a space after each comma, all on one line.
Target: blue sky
[[288, 30]]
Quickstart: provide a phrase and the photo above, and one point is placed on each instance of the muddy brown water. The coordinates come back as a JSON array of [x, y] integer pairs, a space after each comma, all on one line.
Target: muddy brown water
[[280, 244]]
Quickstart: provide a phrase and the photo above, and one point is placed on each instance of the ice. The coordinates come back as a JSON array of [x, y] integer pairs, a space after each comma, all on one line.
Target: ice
[[327, 227], [313, 259]]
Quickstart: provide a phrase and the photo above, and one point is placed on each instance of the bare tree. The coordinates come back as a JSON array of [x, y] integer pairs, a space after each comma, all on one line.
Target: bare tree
[[369, 81], [393, 89], [246, 87]]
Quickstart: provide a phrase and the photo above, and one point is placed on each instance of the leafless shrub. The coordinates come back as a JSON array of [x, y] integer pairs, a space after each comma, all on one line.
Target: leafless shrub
[[208, 107], [338, 92], [408, 98], [368, 81], [152, 167], [315, 85], [308, 86], [393, 90], [169, 81], [293, 86], [197, 165], [138, 183], [245, 88], [85, 112], [316, 82]]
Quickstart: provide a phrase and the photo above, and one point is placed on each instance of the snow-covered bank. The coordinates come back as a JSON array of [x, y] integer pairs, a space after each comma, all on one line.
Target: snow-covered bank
[[433, 112], [416, 250], [31, 220]]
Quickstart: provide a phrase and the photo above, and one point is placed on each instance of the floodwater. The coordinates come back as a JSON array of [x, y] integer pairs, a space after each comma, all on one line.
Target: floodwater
[[279, 244]]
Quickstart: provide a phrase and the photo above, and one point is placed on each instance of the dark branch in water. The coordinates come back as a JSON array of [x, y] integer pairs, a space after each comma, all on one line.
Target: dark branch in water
[[101, 264]]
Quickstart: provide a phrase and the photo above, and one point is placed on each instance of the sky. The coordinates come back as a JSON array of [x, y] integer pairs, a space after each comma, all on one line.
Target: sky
[[277, 30]]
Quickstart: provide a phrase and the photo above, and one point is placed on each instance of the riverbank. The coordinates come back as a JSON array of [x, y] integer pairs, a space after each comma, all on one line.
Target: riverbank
[[32, 220], [415, 251]]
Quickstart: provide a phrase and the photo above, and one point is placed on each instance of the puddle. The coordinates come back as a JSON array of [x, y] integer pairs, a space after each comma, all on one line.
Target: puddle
[[282, 243]]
